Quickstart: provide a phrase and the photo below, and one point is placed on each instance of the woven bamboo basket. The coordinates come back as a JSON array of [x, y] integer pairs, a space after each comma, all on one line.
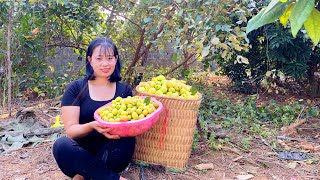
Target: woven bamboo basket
[[169, 141]]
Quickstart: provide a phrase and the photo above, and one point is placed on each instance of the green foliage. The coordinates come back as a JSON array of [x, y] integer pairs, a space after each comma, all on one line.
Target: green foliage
[[205, 31], [267, 15], [288, 54], [273, 55], [245, 142], [39, 27], [312, 26], [250, 115], [298, 12], [198, 29]]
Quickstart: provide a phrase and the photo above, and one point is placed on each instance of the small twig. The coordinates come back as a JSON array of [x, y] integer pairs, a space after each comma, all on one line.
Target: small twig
[[266, 143], [236, 151], [301, 112], [47, 100], [283, 144], [299, 139], [290, 130], [236, 146], [54, 109], [48, 114], [237, 158]]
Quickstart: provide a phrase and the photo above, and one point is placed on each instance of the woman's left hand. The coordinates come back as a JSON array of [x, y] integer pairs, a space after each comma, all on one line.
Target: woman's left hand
[[104, 130]]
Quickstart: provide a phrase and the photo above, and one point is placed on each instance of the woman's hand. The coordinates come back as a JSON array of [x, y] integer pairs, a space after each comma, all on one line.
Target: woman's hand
[[104, 130]]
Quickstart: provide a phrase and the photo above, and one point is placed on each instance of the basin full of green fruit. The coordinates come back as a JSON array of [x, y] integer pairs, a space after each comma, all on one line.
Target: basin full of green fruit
[[129, 116]]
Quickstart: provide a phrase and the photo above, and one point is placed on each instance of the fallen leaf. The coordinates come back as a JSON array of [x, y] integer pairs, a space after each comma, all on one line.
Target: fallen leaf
[[312, 161], [275, 177], [28, 37], [307, 146], [253, 170], [292, 165], [244, 177], [35, 31], [204, 166], [283, 144]]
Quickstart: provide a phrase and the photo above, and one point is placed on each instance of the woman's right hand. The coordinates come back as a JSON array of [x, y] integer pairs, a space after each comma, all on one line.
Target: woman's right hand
[[104, 130]]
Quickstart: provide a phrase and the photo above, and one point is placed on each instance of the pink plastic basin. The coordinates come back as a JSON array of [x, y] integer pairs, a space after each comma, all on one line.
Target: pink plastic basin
[[134, 127]]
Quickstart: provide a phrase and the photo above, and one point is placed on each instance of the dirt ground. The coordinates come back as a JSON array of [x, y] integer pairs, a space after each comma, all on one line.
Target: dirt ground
[[260, 162]]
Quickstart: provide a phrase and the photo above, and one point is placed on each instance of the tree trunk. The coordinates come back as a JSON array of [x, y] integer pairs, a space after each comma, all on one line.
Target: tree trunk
[[3, 75], [128, 73], [3, 94], [139, 76], [313, 87], [138, 55], [9, 28]]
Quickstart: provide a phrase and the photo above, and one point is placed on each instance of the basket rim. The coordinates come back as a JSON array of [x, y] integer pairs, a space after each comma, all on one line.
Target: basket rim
[[128, 123], [167, 97]]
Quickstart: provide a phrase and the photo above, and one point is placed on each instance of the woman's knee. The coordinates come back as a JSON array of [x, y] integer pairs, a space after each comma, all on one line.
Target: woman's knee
[[121, 155], [62, 146], [129, 143], [62, 149]]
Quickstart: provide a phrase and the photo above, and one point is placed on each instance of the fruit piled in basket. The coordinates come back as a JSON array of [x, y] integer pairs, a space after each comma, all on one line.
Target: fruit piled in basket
[[161, 86], [127, 109]]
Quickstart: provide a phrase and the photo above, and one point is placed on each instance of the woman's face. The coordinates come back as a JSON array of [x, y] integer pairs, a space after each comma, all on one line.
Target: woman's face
[[103, 62]]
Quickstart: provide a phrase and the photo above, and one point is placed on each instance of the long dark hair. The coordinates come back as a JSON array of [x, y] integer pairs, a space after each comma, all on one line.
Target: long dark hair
[[105, 43]]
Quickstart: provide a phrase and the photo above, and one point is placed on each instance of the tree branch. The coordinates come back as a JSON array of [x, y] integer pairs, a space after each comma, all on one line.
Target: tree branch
[[232, 6], [179, 65], [67, 24], [116, 13], [65, 45], [155, 35], [192, 62]]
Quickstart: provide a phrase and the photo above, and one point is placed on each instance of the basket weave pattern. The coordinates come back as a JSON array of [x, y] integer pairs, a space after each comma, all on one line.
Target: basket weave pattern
[[169, 142]]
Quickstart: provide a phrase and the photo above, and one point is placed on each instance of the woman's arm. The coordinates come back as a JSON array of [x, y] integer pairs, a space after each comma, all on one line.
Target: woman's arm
[[74, 130], [70, 117]]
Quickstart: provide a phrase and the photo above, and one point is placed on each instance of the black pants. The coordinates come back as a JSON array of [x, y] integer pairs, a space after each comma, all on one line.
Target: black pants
[[112, 158]]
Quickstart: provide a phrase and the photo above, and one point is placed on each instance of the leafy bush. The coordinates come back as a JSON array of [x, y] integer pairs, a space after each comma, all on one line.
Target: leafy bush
[[249, 114], [271, 48]]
